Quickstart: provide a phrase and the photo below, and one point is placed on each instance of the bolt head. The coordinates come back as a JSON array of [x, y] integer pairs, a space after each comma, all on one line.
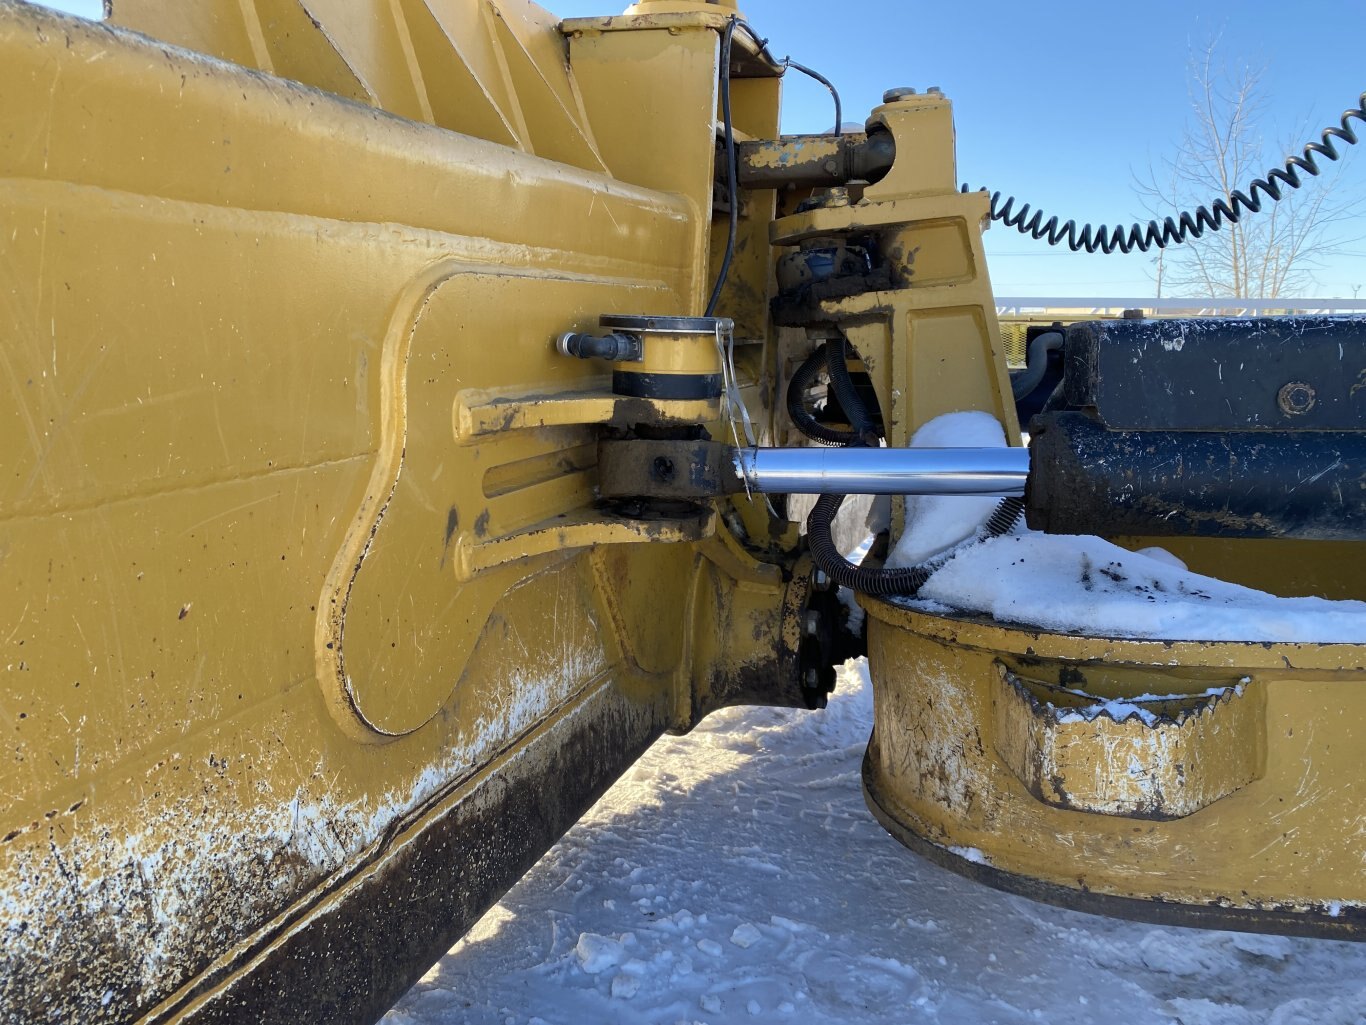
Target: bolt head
[[820, 580], [1296, 398], [899, 93], [812, 625]]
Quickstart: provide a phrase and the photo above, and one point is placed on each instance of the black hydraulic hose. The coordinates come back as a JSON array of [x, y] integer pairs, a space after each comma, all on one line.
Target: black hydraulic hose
[[882, 583], [1187, 225], [846, 394], [879, 582], [1036, 363], [732, 172], [801, 417]]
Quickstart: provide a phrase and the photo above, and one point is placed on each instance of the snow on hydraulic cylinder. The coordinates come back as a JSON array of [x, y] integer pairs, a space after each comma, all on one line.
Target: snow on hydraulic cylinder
[[1084, 584]]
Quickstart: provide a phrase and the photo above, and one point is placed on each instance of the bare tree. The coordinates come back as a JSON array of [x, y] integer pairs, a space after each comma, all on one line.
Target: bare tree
[[1264, 255]]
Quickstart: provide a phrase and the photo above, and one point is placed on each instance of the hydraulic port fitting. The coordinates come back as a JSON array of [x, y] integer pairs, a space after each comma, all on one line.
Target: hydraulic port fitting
[[615, 348]]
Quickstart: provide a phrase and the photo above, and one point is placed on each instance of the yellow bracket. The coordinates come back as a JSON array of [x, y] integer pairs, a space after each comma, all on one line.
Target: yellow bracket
[[582, 528], [478, 413]]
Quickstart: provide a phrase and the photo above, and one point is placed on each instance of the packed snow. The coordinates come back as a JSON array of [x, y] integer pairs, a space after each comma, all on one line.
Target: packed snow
[[1086, 585], [1136, 707], [935, 523], [734, 875]]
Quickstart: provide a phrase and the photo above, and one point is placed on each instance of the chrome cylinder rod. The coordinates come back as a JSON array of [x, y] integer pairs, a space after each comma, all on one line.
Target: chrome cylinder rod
[[997, 472]]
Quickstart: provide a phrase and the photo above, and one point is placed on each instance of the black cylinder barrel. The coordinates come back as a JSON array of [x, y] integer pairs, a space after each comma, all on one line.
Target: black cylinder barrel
[[1085, 479]]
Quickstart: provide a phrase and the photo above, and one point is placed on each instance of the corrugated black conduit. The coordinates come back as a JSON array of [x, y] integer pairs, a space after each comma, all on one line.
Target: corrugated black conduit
[[906, 581], [801, 380]]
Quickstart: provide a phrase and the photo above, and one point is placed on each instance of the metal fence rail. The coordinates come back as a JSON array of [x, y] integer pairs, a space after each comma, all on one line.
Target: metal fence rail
[[1018, 314]]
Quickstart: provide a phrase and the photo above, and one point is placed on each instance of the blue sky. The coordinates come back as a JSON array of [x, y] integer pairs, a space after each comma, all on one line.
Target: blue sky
[[1063, 103]]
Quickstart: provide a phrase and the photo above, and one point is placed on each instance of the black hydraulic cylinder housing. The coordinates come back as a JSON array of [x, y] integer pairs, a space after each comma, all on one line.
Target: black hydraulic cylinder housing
[[1085, 479], [1254, 427]]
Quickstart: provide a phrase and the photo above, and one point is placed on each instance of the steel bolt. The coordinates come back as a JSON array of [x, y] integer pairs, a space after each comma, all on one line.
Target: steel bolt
[[812, 679], [812, 625], [1296, 398], [820, 580], [899, 93]]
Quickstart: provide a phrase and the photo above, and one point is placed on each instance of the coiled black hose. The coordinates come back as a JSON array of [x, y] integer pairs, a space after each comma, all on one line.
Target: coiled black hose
[[1186, 226], [879, 582]]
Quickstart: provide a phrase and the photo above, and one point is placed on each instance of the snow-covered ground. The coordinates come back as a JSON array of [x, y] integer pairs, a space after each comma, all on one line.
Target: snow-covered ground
[[734, 876]]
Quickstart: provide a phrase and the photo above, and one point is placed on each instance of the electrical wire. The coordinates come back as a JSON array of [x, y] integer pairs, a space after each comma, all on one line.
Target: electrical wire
[[732, 172], [788, 62], [762, 50], [1174, 231], [732, 169]]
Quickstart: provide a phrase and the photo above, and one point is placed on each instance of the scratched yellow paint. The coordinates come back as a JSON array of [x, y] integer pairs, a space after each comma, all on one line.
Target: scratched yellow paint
[[944, 758], [264, 604], [300, 552]]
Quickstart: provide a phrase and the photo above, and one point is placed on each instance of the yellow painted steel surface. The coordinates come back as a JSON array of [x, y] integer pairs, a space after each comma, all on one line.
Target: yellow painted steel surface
[[930, 340], [299, 538], [1216, 812], [1248, 801], [315, 631]]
